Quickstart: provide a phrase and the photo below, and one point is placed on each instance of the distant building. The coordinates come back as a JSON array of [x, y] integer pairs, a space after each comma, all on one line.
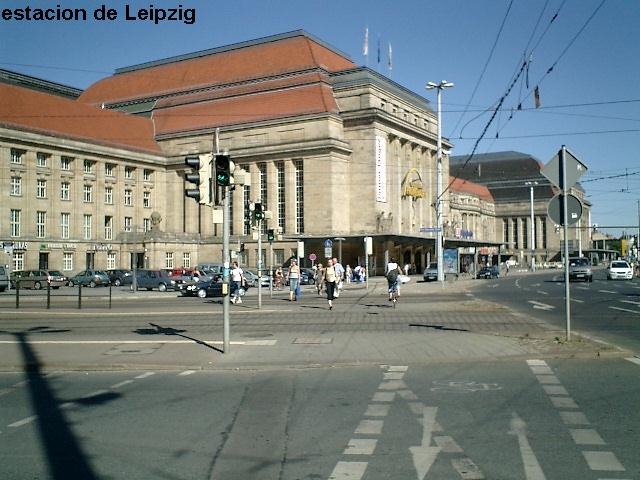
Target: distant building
[[509, 177]]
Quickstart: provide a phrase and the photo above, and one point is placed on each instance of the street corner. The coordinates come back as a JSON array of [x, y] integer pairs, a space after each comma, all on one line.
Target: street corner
[[555, 344]]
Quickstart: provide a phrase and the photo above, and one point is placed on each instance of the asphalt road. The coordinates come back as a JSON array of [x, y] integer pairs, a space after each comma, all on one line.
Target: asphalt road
[[525, 419], [607, 310]]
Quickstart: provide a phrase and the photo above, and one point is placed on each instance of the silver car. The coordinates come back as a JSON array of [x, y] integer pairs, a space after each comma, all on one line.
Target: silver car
[[431, 272]]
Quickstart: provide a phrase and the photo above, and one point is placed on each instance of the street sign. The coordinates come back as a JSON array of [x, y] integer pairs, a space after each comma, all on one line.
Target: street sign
[[312, 257], [555, 209], [574, 168], [328, 243], [430, 229]]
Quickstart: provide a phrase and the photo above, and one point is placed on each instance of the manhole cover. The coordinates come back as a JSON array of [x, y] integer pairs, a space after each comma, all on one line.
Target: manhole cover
[[313, 340]]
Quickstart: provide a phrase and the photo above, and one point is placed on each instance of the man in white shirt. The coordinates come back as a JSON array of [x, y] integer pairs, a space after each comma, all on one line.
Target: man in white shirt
[[237, 276]]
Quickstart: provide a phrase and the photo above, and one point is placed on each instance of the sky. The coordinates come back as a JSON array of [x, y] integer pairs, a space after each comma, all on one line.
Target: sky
[[582, 55]]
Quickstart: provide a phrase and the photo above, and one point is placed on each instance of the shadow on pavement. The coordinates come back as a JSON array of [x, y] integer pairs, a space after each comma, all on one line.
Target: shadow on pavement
[[438, 327], [159, 330]]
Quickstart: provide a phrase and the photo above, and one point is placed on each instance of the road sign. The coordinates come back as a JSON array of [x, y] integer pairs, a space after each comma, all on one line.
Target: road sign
[[312, 257], [555, 209], [430, 229], [574, 168], [328, 243]]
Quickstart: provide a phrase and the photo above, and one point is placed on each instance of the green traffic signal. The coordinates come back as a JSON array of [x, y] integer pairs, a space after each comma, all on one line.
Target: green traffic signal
[[223, 170]]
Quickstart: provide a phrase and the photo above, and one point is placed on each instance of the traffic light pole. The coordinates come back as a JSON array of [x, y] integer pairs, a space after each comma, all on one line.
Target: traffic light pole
[[226, 260], [259, 225]]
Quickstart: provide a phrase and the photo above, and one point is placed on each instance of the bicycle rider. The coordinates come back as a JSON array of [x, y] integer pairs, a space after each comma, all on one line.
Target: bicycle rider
[[393, 278]]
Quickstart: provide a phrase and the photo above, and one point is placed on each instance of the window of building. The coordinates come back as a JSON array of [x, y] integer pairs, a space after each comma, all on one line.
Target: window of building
[[299, 169], [246, 199], [87, 194], [516, 233], [108, 195], [65, 163], [109, 170], [18, 260], [87, 220], [41, 224], [16, 155], [88, 166], [128, 172], [41, 188], [168, 260], [67, 261], [65, 189], [146, 224], [262, 170], [108, 227], [186, 259], [14, 222], [525, 232], [16, 186], [42, 159], [278, 256], [128, 221], [281, 196], [146, 174], [146, 199], [128, 197], [111, 260], [543, 221], [65, 221]]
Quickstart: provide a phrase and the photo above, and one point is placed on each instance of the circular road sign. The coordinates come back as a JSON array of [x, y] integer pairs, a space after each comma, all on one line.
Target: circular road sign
[[312, 257], [555, 208]]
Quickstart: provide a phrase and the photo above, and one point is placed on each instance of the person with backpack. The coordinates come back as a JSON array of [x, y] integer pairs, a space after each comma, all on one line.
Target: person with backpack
[[393, 278]]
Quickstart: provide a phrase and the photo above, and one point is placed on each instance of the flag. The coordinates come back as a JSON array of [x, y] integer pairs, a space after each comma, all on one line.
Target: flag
[[390, 62], [365, 45], [536, 96]]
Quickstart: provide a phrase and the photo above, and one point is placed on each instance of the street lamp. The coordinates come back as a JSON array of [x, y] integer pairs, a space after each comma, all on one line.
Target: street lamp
[[439, 239], [532, 242]]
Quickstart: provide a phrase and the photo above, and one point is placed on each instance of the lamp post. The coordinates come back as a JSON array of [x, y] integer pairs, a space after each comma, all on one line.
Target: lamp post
[[439, 238], [532, 242]]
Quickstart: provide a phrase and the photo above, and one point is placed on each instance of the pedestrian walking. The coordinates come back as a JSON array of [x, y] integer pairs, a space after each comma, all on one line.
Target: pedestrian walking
[[330, 278], [294, 278], [279, 278], [237, 279], [339, 275], [319, 278]]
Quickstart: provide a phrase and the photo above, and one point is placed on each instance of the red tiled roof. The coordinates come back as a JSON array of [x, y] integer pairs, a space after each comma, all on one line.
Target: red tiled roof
[[270, 58], [465, 186], [301, 100], [39, 112]]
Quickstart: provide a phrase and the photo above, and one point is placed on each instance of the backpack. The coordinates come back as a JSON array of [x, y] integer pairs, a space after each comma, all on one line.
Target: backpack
[[392, 276]]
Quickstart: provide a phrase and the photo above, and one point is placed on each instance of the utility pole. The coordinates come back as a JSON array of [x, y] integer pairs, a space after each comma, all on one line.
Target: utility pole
[[439, 214], [533, 227]]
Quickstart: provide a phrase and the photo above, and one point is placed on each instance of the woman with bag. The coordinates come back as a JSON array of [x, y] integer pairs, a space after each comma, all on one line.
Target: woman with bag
[[330, 282]]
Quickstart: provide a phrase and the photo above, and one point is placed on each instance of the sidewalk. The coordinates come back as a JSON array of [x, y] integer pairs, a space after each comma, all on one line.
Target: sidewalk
[[452, 324]]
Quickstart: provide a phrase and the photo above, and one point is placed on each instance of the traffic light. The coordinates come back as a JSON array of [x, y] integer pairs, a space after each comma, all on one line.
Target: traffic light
[[271, 235], [201, 176], [224, 170], [258, 213]]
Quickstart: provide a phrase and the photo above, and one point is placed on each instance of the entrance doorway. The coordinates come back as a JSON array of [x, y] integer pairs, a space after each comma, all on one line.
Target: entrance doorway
[[43, 261], [90, 258]]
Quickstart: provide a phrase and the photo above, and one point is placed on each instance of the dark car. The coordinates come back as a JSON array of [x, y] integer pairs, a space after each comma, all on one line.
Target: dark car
[[151, 279], [91, 278], [489, 272], [307, 277], [118, 276], [207, 288]]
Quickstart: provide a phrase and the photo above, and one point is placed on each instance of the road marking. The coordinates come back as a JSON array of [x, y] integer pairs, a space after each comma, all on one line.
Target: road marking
[[541, 292], [574, 418], [607, 291], [563, 402], [577, 300], [467, 469], [447, 444], [630, 301], [548, 379], [555, 390], [541, 306], [348, 471], [603, 461], [586, 436], [424, 455], [186, 372], [532, 469], [24, 421], [375, 410], [635, 360], [145, 375], [624, 309], [97, 393], [361, 446], [121, 384], [369, 427]]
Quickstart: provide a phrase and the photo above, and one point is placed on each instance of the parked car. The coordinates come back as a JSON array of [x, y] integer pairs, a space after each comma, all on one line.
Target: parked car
[[431, 272], [151, 279], [206, 288], [4, 279], [619, 270], [91, 278], [307, 277], [183, 275], [580, 269], [118, 276], [38, 279], [489, 272]]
